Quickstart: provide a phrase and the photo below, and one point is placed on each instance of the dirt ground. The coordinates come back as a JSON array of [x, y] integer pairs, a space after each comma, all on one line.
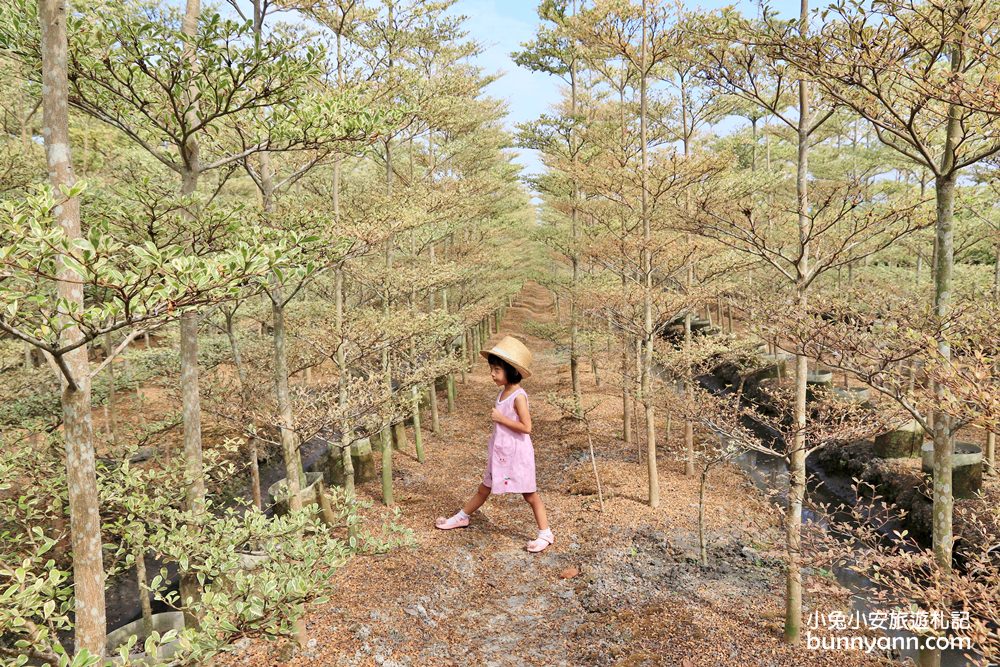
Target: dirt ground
[[618, 587]]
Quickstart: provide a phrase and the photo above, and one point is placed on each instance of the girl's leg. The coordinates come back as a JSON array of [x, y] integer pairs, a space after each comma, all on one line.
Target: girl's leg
[[461, 517], [476, 501], [538, 507]]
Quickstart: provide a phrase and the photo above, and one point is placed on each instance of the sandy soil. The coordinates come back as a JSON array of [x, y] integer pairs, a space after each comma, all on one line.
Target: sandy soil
[[621, 587]]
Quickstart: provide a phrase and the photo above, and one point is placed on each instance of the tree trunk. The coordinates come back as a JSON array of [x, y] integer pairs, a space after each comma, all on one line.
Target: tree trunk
[[689, 467], [295, 479], [451, 393], [190, 393], [991, 453], [234, 345], [81, 477], [435, 417], [944, 445], [386, 467], [418, 439], [635, 413], [142, 583], [258, 500], [797, 455], [399, 439], [346, 435], [593, 365], [466, 356], [996, 272], [191, 410], [191, 414], [289, 441], [647, 269], [702, 547], [793, 516], [626, 394], [574, 360], [111, 406]]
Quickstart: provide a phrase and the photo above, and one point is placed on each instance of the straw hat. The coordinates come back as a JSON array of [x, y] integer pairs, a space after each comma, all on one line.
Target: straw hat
[[513, 352]]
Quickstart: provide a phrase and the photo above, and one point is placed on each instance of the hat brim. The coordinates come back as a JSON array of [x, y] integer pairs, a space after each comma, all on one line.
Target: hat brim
[[525, 373]]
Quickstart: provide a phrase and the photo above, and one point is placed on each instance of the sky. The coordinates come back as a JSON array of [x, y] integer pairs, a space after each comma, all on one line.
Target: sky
[[501, 26]]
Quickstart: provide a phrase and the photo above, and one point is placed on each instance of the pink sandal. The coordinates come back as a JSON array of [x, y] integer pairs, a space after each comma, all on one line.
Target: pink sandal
[[539, 544], [450, 522]]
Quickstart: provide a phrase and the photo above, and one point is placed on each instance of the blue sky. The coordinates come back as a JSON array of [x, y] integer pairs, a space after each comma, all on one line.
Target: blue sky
[[502, 25]]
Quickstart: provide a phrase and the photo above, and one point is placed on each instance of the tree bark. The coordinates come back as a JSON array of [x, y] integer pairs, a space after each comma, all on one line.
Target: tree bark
[[574, 360], [386, 467], [435, 415], [191, 410], [386, 357], [647, 269], [190, 393], [75, 399], [289, 441], [191, 414], [991, 453], [258, 500], [234, 345], [346, 433], [418, 440], [944, 445], [142, 583], [689, 467], [996, 272], [797, 454], [111, 405], [702, 546]]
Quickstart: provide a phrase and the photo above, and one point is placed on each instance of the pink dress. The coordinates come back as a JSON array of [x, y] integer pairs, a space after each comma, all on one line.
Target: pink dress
[[510, 458]]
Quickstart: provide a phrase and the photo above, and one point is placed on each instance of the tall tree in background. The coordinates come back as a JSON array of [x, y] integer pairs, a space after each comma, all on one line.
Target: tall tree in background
[[642, 35], [613, 70], [186, 94], [738, 68], [555, 51]]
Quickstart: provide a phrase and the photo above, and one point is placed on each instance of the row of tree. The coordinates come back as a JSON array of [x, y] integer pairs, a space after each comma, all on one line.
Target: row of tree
[[283, 175], [814, 223]]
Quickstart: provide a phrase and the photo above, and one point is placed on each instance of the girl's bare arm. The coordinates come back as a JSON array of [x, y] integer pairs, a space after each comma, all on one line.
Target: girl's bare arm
[[521, 408]]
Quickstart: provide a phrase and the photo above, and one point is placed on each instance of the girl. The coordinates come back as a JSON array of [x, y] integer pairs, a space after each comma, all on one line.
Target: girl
[[510, 466]]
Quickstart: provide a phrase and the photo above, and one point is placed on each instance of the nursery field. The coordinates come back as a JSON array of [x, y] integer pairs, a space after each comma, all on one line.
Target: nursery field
[[288, 289], [622, 585]]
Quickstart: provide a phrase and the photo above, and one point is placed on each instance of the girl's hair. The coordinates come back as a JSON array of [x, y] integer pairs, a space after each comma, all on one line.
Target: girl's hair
[[512, 374]]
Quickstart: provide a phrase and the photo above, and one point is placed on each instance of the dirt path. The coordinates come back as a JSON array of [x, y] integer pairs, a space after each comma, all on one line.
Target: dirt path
[[475, 596]]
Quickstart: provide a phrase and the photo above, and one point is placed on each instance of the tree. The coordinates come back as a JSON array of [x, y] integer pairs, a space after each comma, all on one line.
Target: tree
[[642, 36], [889, 66], [88, 568], [555, 51]]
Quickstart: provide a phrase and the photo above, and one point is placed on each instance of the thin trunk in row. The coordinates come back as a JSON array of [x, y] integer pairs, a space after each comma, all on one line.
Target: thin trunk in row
[[647, 270], [81, 477], [797, 454]]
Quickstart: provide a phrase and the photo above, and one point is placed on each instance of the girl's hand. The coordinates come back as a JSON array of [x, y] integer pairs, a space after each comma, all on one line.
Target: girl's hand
[[496, 415]]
